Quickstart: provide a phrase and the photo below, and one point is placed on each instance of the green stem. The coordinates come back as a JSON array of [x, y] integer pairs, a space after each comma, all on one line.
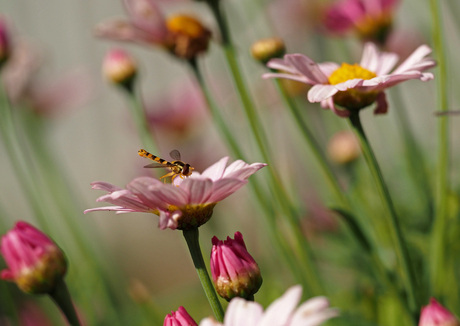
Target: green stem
[[140, 119], [61, 297], [399, 242], [438, 244], [265, 204], [314, 147], [192, 238], [300, 243]]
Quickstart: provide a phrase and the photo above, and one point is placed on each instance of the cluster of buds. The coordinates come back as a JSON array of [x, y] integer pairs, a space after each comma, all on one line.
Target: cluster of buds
[[35, 263]]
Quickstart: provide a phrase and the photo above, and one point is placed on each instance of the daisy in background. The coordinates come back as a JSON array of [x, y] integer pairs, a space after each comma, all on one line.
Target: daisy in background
[[282, 311], [353, 87], [188, 203], [371, 20]]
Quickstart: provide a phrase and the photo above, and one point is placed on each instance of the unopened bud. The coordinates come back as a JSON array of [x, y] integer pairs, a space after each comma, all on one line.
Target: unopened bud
[[188, 36], [436, 315], [35, 263], [179, 318], [268, 48], [343, 148], [119, 67], [235, 273]]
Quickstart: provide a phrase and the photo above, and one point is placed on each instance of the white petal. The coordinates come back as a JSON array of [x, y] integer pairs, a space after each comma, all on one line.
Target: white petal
[[319, 93], [243, 313], [279, 312], [210, 322], [298, 78], [307, 67], [280, 64], [328, 67], [387, 61], [413, 59], [370, 58], [215, 171]]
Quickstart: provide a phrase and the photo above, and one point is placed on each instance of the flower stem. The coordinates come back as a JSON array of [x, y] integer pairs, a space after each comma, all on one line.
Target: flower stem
[[265, 204], [140, 120], [192, 238], [399, 242], [61, 297], [438, 244]]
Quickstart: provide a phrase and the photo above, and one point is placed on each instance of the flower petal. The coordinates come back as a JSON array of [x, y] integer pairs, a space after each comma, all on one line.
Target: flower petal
[[280, 310], [224, 188], [215, 171], [243, 313], [328, 68], [319, 93], [298, 78], [280, 64], [370, 58], [307, 67], [387, 61], [415, 58], [101, 185], [146, 15], [140, 188], [199, 190], [170, 194]]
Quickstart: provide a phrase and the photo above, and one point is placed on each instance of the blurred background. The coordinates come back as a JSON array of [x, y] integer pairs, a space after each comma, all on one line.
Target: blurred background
[[87, 126]]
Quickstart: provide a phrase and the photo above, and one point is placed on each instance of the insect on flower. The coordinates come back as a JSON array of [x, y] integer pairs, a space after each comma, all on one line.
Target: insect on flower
[[177, 167]]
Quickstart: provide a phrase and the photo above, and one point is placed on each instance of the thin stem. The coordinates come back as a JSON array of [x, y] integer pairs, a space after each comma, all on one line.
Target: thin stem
[[61, 297], [265, 204], [300, 243], [438, 251], [314, 147], [192, 238], [399, 242], [140, 119]]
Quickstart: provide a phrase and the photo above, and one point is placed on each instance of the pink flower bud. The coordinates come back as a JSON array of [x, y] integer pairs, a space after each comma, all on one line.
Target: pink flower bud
[[5, 45], [235, 273], [436, 315], [119, 67], [179, 318], [35, 263]]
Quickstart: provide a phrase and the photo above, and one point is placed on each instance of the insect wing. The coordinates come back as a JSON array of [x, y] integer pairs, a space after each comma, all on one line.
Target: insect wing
[[158, 165], [175, 155]]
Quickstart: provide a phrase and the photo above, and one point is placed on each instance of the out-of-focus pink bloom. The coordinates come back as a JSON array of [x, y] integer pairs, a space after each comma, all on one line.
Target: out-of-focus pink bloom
[[179, 318], [436, 315], [35, 263], [180, 112], [370, 19], [183, 35], [234, 272], [188, 203], [29, 314], [353, 87], [119, 67], [282, 311], [5, 45]]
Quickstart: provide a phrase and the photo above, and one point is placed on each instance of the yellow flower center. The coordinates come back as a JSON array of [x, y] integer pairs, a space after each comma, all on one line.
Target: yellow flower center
[[193, 216], [352, 99], [188, 36]]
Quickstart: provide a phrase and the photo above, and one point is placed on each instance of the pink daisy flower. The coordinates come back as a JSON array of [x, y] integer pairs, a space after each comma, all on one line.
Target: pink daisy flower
[[188, 203], [357, 86], [182, 35], [370, 19], [282, 311]]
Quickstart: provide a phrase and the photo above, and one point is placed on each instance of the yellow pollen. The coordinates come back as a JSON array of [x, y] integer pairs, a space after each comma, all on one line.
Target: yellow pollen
[[347, 72]]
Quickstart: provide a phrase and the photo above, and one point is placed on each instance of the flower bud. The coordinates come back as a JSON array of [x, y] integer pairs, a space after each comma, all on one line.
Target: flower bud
[[343, 148], [119, 67], [179, 318], [436, 315], [234, 272], [268, 48], [188, 36], [35, 263], [5, 45]]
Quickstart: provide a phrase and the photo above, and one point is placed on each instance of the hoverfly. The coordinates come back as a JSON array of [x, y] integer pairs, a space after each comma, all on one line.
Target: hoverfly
[[177, 167]]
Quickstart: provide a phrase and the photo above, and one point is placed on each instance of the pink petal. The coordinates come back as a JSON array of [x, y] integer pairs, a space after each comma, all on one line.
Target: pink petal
[[298, 78], [100, 185], [279, 312], [215, 171], [306, 67], [319, 93], [141, 188], [370, 58], [413, 59], [280, 64], [109, 208], [199, 190], [351, 83], [387, 61], [146, 15], [171, 194], [224, 188], [328, 67], [117, 30]]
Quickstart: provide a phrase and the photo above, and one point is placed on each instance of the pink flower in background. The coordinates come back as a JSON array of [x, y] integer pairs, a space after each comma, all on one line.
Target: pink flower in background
[[370, 19], [179, 318], [282, 311], [234, 272], [35, 262], [353, 87], [187, 203], [436, 315], [119, 67], [182, 35], [5, 43]]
